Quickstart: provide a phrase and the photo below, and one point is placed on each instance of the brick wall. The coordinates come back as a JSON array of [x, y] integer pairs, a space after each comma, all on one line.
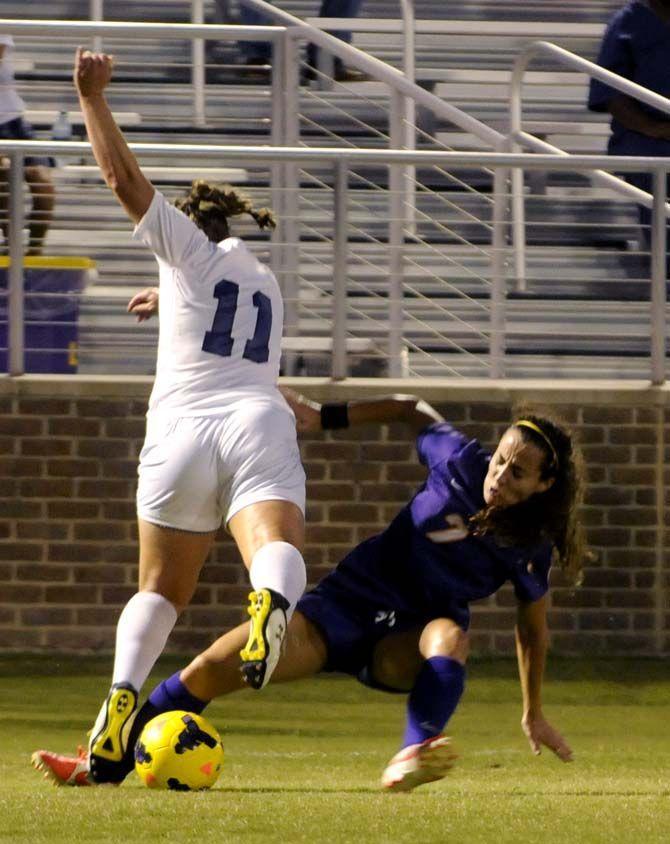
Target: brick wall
[[67, 521]]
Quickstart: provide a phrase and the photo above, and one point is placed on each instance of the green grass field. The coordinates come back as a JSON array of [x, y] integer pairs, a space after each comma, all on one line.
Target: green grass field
[[303, 763]]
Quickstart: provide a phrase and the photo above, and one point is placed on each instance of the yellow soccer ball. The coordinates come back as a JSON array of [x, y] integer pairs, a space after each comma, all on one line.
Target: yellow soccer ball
[[179, 750]]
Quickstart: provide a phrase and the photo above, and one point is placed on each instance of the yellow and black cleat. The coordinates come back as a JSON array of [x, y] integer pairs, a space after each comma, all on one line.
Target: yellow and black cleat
[[267, 609], [113, 724]]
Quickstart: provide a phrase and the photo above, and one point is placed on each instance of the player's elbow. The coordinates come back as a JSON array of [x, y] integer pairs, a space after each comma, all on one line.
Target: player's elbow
[[416, 412], [117, 182], [119, 178], [407, 405], [134, 193]]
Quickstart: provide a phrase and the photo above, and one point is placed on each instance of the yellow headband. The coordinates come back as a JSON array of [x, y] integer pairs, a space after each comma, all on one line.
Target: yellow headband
[[526, 423]]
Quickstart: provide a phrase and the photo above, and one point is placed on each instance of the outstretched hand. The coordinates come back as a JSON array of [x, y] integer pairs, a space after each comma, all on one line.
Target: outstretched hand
[[307, 413], [144, 304], [92, 72], [539, 732]]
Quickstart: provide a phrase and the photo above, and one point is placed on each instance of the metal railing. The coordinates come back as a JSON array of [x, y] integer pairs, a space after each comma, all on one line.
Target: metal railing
[[287, 117], [196, 33], [340, 162], [655, 201], [401, 210]]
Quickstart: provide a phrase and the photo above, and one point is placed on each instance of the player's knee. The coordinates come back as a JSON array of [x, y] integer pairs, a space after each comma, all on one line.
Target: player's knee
[[43, 190], [208, 675], [443, 637], [201, 668], [177, 594], [394, 673], [279, 555], [200, 677]]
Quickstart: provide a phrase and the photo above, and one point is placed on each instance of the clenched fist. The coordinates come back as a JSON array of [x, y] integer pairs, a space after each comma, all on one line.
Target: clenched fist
[[92, 72]]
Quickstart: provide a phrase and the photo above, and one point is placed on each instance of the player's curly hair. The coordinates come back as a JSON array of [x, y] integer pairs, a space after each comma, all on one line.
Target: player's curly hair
[[552, 514], [210, 207]]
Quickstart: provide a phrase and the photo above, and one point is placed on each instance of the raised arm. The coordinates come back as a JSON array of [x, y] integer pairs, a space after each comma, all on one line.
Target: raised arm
[[531, 649], [119, 167], [312, 416]]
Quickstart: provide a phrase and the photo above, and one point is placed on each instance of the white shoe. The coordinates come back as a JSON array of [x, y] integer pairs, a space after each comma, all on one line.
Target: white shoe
[[417, 764]]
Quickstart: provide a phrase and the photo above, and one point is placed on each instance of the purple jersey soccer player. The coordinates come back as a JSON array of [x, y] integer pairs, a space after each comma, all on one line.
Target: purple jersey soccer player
[[394, 612]]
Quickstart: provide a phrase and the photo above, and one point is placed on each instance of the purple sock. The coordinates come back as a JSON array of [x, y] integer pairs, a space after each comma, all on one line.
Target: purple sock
[[431, 703], [169, 695], [173, 694]]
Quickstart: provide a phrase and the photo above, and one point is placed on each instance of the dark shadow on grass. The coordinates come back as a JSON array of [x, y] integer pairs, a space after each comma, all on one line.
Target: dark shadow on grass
[[629, 671], [73, 665], [578, 669], [584, 793], [489, 793], [297, 790], [297, 731], [52, 723], [56, 723]]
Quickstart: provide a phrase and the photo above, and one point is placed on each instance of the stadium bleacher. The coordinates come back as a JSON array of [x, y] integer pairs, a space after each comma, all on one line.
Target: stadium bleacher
[[580, 259]]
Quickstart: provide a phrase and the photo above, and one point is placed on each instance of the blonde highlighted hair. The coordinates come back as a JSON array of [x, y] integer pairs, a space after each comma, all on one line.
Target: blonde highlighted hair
[[210, 207]]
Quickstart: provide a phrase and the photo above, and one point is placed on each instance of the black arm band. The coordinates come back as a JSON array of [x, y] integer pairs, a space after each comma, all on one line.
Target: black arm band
[[334, 415]]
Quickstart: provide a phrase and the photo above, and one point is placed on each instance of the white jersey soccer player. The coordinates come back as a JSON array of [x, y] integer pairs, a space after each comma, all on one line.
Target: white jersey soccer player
[[221, 315], [221, 443], [219, 434]]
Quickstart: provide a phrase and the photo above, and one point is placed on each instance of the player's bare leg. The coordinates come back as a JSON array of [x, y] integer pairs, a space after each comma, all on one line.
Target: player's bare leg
[[43, 194], [169, 566], [216, 671]]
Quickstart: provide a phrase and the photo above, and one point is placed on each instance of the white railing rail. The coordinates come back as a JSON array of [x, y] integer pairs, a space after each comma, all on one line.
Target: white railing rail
[[341, 161], [380, 71], [290, 25], [405, 96], [196, 33]]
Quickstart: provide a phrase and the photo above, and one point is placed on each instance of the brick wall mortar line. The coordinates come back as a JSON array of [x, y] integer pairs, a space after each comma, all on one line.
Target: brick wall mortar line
[[632, 570]]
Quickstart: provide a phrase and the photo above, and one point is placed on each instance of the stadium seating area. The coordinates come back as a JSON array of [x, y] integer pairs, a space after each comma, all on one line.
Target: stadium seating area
[[585, 307]]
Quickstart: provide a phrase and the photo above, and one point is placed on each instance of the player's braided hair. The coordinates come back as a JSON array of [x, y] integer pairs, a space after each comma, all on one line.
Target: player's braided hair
[[210, 207], [552, 514]]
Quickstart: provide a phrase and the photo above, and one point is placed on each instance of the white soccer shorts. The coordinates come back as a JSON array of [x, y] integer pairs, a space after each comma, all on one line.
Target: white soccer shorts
[[196, 471]]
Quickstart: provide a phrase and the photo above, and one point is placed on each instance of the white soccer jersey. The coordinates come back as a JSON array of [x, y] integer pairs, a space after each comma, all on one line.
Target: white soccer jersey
[[221, 316]]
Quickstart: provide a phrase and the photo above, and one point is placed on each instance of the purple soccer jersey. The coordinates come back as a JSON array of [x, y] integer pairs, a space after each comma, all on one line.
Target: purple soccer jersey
[[424, 564]]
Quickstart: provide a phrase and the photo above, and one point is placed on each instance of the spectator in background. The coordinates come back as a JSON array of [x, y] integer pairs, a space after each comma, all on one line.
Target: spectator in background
[[637, 46], [260, 52], [36, 169]]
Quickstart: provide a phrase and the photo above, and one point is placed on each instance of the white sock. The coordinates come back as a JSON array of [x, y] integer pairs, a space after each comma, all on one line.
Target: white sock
[[141, 633], [279, 566]]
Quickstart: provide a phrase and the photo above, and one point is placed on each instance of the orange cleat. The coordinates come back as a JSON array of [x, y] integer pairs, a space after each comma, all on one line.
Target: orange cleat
[[63, 770]]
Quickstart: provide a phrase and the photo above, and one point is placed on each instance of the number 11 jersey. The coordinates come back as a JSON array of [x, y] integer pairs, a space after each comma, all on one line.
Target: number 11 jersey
[[221, 317]]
